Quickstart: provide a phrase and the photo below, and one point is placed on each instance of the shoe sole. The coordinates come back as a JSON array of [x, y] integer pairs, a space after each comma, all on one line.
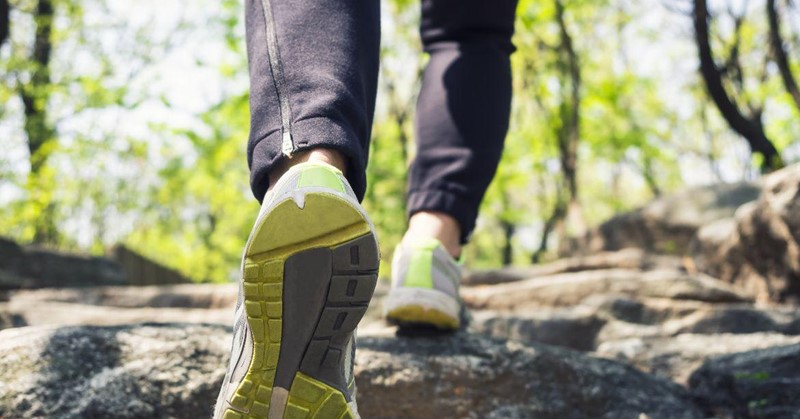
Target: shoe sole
[[416, 307], [310, 271]]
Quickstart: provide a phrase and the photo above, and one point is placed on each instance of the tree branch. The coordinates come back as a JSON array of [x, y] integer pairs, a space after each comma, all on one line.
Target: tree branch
[[570, 129], [749, 128], [779, 53]]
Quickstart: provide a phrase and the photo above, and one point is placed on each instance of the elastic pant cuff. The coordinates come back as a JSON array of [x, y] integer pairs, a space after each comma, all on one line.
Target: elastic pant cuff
[[447, 202], [307, 134]]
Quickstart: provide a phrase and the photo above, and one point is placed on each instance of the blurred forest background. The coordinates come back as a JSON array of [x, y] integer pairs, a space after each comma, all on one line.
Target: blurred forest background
[[126, 122]]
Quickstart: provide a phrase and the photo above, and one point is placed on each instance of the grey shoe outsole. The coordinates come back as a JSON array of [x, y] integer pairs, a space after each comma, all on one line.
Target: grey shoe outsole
[[305, 291]]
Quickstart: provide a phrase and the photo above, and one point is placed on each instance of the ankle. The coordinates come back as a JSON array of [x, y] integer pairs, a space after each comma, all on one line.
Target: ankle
[[329, 156], [439, 226]]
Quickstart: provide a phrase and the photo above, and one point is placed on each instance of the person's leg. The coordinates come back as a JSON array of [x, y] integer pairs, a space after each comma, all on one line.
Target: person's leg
[[462, 114], [313, 80], [310, 265], [461, 122]]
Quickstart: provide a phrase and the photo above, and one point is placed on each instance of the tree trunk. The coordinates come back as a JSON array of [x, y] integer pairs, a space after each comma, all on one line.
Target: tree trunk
[[567, 135], [749, 128], [650, 176], [570, 130], [570, 108], [558, 215], [508, 246], [779, 53], [5, 14], [41, 136]]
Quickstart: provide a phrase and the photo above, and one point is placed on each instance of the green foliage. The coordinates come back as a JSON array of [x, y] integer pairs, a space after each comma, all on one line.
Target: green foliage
[[385, 198], [178, 191], [624, 127], [200, 213]]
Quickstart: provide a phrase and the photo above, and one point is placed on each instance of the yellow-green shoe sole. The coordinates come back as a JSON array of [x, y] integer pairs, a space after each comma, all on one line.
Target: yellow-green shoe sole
[[415, 315], [321, 221]]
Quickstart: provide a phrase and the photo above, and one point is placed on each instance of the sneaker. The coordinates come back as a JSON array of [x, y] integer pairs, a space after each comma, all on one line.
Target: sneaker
[[425, 281], [308, 273]]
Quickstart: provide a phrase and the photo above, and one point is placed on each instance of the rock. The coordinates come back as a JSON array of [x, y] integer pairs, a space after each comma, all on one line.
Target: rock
[[468, 376], [754, 384], [676, 316], [142, 371], [642, 310], [189, 303], [210, 296], [51, 268], [758, 249], [11, 255], [106, 306], [35, 267], [677, 357], [572, 288], [667, 224], [174, 370], [9, 318], [630, 258], [573, 328], [12, 263], [11, 280], [609, 318], [140, 270], [649, 318], [741, 319], [66, 314]]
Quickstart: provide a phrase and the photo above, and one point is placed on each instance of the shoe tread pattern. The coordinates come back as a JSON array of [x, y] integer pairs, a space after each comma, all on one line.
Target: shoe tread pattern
[[318, 388]]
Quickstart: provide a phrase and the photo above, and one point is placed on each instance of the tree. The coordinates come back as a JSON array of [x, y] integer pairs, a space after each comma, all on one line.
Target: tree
[[567, 131], [198, 215], [748, 126], [38, 74], [779, 53], [35, 96]]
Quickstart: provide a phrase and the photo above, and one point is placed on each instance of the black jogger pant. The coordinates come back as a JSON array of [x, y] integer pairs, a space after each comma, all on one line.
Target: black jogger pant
[[313, 80]]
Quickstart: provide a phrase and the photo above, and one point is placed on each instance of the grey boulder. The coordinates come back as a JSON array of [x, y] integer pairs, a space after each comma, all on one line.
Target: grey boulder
[[755, 384], [469, 376], [175, 370]]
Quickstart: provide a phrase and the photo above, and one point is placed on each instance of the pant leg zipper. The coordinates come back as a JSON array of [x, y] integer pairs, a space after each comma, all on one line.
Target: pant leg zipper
[[287, 143]]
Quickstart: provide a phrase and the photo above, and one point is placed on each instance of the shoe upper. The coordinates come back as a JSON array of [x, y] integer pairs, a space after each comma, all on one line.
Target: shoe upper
[[424, 263], [425, 282]]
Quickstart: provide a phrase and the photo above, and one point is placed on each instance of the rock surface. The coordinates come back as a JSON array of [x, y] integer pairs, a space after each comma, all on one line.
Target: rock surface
[[23, 267], [668, 224], [205, 296], [468, 376], [114, 305], [664, 322], [678, 357], [628, 258], [574, 328], [756, 384], [111, 372], [174, 370], [759, 248], [572, 288]]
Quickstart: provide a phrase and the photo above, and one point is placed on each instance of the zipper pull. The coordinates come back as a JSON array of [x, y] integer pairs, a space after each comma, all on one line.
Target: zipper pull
[[287, 145]]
